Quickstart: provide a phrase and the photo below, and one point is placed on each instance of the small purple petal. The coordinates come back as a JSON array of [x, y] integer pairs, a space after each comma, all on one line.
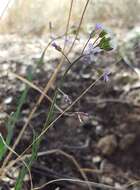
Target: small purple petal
[[97, 50], [91, 49], [56, 46], [67, 99], [106, 76], [99, 26], [68, 40]]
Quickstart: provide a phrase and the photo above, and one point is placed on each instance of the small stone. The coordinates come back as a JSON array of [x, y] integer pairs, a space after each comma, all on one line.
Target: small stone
[[96, 159], [57, 188], [94, 122], [118, 185], [107, 180], [99, 130], [127, 140], [107, 144], [8, 100], [3, 115]]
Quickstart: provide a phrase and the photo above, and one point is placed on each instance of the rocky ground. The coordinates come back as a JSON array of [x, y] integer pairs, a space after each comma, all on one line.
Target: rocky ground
[[106, 144]]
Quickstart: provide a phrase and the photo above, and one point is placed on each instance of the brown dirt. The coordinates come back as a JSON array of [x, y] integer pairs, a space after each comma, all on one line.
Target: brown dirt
[[112, 110]]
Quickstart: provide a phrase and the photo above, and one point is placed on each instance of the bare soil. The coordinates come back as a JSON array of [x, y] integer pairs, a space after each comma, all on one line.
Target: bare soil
[[106, 145]]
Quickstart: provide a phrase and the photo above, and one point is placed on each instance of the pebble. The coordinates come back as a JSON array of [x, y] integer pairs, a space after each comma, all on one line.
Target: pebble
[[107, 180], [107, 144], [117, 185], [8, 100], [96, 159], [99, 130], [3, 115]]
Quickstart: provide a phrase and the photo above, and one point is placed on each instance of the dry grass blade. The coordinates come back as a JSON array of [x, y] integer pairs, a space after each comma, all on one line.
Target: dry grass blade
[[73, 160], [18, 156], [67, 109], [36, 88], [91, 170], [78, 181], [55, 120], [67, 27], [49, 84], [70, 157], [78, 30]]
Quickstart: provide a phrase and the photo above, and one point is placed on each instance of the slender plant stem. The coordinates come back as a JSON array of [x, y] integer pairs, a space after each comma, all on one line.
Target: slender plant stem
[[70, 66], [18, 156], [73, 180], [53, 77], [45, 91], [78, 30], [6, 7], [55, 120], [67, 27], [37, 103]]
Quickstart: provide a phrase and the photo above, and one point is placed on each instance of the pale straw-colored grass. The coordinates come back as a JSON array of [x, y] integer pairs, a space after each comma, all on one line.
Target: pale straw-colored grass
[[33, 16]]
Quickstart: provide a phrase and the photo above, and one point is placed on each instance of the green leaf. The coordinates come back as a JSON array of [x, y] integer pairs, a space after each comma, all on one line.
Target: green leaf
[[14, 117], [105, 44], [29, 161], [40, 62], [2, 148], [103, 33]]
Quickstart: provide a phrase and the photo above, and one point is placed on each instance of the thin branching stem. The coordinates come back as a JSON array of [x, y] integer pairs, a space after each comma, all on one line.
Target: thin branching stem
[[67, 26], [19, 157], [78, 30], [56, 119], [80, 182], [49, 84]]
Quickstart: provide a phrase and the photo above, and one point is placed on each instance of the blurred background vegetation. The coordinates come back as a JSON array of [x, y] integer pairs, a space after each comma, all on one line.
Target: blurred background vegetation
[[33, 16]]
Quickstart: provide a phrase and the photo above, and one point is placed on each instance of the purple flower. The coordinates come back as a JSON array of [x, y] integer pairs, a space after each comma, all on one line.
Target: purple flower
[[98, 26], [106, 75], [66, 99], [91, 49], [56, 46], [68, 39], [90, 52]]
